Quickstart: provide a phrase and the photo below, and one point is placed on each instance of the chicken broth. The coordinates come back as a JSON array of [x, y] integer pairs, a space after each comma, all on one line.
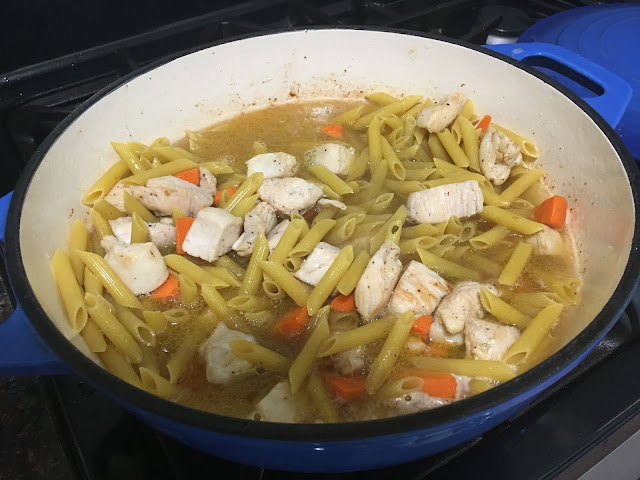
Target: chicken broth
[[362, 259]]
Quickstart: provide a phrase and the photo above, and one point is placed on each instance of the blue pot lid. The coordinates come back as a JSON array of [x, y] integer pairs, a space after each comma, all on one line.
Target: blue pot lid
[[608, 35]]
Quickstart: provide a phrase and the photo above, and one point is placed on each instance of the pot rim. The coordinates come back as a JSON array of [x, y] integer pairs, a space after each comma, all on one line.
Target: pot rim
[[319, 433]]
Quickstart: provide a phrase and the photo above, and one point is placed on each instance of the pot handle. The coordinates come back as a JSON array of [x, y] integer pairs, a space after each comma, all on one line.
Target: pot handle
[[22, 352], [616, 92]]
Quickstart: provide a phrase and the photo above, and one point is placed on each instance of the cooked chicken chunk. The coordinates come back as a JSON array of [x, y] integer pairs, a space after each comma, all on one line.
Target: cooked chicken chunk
[[317, 263], [161, 234], [487, 340], [442, 114], [462, 304], [498, 155], [375, 287], [335, 156], [419, 290], [350, 361], [438, 204], [208, 182], [277, 406], [276, 234], [212, 234], [223, 365], [289, 195], [273, 165], [261, 219], [139, 265], [333, 203], [547, 242], [415, 402], [166, 194], [437, 333], [116, 196]]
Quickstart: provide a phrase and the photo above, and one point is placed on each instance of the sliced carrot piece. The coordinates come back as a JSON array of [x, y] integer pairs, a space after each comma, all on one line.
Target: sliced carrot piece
[[183, 224], [346, 388], [484, 123], [310, 215], [218, 197], [422, 325], [293, 324], [195, 375], [552, 212], [334, 131], [441, 385], [169, 290], [191, 176], [344, 303]]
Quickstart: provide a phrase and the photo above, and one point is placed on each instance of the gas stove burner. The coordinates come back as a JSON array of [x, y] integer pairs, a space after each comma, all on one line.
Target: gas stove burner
[[508, 23]]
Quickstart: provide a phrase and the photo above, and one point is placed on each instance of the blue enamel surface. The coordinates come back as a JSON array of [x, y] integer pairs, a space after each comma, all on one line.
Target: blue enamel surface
[[22, 352], [611, 105], [608, 35]]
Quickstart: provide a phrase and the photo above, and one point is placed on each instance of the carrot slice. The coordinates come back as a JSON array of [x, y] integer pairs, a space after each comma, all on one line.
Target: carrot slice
[[293, 324], [344, 303], [191, 176], [218, 197], [334, 131], [195, 375], [310, 215], [484, 123], [169, 290], [422, 325], [183, 224], [441, 385], [346, 387], [552, 212]]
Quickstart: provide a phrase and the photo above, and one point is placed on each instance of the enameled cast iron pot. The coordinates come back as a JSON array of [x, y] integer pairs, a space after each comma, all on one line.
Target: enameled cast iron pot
[[584, 159]]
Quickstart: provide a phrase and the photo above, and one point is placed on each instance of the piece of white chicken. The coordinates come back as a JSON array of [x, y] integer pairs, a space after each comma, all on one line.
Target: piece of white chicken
[[498, 155], [289, 195], [161, 234], [419, 290], [273, 165], [415, 402], [223, 365], [440, 203], [116, 196], [547, 242], [439, 116], [212, 234], [335, 156], [139, 265], [462, 304], [438, 333], [487, 340], [375, 287], [166, 194], [350, 361], [332, 203], [276, 234], [278, 405], [317, 263], [262, 218], [208, 182]]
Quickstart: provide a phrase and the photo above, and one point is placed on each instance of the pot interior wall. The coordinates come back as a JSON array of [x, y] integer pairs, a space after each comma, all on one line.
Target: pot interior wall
[[197, 90]]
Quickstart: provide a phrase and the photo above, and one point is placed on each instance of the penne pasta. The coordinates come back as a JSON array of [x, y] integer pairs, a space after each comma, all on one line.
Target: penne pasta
[[156, 384], [101, 226], [139, 229], [448, 268], [220, 307], [510, 220], [533, 335], [388, 356], [470, 143], [93, 337], [119, 366], [110, 281], [515, 266], [315, 235], [520, 185], [349, 280], [188, 289], [247, 189], [285, 245], [450, 144], [321, 399], [489, 238], [253, 277], [466, 367], [140, 331], [350, 339], [302, 365], [332, 180], [131, 205], [78, 241], [198, 274], [105, 183], [166, 169], [287, 282], [261, 356], [502, 310]]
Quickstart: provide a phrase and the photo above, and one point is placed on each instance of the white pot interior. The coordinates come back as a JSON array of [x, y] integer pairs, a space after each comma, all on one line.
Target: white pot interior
[[197, 90]]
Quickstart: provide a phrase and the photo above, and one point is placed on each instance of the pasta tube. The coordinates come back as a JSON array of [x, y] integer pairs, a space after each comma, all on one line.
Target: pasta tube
[[510, 220], [466, 367], [349, 280], [514, 267], [302, 365], [321, 399], [261, 356], [350, 339], [330, 280], [105, 183]]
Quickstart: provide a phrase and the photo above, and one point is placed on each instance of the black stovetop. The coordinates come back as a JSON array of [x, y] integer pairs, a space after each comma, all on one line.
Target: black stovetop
[[49, 71]]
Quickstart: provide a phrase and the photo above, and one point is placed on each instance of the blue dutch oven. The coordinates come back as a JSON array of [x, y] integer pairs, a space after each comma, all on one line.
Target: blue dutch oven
[[585, 160]]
